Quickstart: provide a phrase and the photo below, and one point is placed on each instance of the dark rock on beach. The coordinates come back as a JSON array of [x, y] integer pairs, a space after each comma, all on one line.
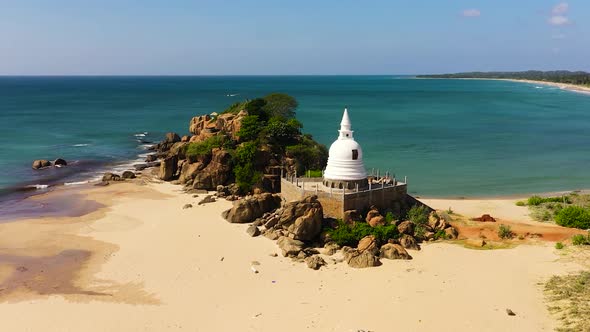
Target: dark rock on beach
[[37, 164], [251, 208], [128, 175], [59, 162], [111, 177]]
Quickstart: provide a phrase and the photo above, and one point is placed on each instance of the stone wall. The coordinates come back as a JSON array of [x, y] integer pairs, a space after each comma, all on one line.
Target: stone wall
[[387, 198], [334, 205]]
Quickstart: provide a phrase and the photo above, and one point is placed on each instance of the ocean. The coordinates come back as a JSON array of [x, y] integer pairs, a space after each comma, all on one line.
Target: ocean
[[449, 137]]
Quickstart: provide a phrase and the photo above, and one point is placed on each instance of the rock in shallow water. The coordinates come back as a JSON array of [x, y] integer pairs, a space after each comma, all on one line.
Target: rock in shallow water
[[37, 164]]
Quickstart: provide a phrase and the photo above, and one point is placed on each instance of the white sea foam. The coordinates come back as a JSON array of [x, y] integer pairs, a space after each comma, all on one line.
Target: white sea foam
[[78, 145], [139, 135], [231, 95], [538, 87], [38, 186], [75, 183]]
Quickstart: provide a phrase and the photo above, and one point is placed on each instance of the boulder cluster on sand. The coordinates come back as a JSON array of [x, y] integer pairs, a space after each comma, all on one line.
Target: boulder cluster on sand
[[42, 163], [485, 218], [298, 228]]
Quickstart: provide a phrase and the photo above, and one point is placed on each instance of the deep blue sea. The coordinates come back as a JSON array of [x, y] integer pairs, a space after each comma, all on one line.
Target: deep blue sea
[[449, 137]]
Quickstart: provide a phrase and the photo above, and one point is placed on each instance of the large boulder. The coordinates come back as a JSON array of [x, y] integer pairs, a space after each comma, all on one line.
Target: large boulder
[[406, 227], [290, 247], [435, 222], [219, 171], [168, 168], [359, 260], [351, 216], [189, 171], [409, 242], [249, 209], [303, 219], [368, 243], [393, 251], [377, 221], [198, 123], [37, 164], [372, 214]]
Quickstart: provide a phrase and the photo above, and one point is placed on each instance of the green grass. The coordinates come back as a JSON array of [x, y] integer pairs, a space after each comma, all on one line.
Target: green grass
[[200, 149], [559, 246], [573, 216], [572, 210], [569, 299], [314, 173]]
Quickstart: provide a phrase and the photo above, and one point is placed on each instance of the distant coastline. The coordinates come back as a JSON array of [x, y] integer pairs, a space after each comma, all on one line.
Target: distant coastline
[[578, 81]]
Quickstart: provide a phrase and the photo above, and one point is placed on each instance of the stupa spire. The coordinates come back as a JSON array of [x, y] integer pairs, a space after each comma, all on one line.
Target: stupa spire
[[345, 126]]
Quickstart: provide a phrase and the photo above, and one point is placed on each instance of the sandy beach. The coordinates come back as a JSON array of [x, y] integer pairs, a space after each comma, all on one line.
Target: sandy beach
[[143, 263]]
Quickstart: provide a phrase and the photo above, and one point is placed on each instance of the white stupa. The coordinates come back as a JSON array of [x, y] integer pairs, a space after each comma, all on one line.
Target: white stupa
[[345, 167]]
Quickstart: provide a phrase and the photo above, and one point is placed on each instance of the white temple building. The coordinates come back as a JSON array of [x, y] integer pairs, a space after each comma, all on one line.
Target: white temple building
[[345, 168]]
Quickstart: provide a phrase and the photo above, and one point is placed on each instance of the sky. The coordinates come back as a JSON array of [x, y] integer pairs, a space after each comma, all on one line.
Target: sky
[[291, 37]]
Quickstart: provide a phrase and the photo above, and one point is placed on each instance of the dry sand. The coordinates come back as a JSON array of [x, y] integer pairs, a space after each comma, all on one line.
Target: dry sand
[[146, 264]]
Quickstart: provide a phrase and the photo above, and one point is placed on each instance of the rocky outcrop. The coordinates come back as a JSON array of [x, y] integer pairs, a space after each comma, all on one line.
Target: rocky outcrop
[[253, 231], [249, 209], [204, 126], [217, 172], [377, 221], [393, 251], [172, 138], [303, 219], [189, 171], [168, 168], [38, 164]]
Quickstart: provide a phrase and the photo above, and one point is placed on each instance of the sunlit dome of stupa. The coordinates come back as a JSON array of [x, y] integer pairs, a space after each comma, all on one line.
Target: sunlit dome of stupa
[[345, 167]]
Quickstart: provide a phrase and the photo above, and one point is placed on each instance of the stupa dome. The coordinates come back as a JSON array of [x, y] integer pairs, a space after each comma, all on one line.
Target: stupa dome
[[345, 160]]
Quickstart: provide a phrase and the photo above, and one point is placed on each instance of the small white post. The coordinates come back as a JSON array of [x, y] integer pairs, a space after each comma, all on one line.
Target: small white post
[[405, 179]]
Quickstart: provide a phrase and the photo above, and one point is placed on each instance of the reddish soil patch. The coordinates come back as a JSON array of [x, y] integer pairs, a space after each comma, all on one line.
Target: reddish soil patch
[[544, 232]]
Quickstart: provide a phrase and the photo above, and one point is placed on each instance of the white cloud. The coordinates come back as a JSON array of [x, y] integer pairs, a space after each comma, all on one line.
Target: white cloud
[[559, 20], [560, 9], [471, 13]]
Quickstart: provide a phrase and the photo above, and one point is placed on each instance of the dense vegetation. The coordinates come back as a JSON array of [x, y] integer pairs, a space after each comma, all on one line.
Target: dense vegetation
[[571, 210], [562, 76], [269, 125], [350, 235]]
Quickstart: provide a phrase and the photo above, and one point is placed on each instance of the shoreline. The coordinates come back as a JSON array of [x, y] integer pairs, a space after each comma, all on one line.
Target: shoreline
[[142, 255], [563, 86]]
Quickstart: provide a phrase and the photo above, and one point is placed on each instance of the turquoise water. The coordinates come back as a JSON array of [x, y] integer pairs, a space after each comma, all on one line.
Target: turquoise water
[[450, 137]]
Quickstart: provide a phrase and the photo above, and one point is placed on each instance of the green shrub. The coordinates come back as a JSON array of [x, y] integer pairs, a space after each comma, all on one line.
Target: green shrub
[[281, 105], [520, 203], [389, 218], [246, 175], [280, 131], [449, 211], [505, 232], [573, 216], [537, 200], [440, 235], [250, 128], [559, 246], [309, 153], [346, 235], [581, 240], [200, 149], [418, 214]]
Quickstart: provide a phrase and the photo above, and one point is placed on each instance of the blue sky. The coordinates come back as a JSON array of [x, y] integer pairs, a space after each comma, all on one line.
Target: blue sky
[[217, 37]]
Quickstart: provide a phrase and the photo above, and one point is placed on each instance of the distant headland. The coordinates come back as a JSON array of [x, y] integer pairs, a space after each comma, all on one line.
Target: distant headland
[[578, 81]]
